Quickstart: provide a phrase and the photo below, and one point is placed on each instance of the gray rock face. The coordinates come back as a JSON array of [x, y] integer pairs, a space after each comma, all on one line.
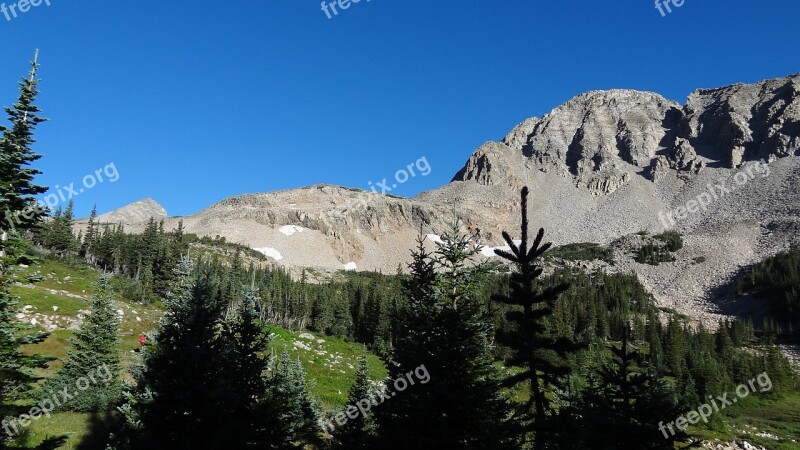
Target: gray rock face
[[599, 139], [603, 139], [136, 212], [745, 122]]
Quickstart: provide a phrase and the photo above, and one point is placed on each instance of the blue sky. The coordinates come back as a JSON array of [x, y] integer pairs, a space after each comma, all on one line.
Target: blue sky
[[195, 101]]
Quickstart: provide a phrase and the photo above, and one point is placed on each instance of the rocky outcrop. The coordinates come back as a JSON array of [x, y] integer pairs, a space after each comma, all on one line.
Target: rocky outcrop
[[745, 122], [684, 161], [603, 139], [136, 212]]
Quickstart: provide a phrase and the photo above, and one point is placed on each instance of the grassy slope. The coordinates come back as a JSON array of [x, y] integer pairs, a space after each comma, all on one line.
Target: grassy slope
[[766, 421], [330, 364]]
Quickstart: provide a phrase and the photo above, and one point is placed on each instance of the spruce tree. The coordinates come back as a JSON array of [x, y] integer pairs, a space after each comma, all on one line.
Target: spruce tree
[[542, 354], [93, 355], [19, 212], [247, 407], [58, 235], [291, 412], [90, 238], [19, 209], [358, 433], [624, 409], [205, 382], [445, 330], [174, 404]]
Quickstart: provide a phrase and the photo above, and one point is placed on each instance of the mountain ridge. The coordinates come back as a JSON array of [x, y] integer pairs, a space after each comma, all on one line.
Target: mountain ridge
[[601, 166]]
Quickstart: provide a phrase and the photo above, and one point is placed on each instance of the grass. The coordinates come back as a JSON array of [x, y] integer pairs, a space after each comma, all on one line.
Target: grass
[[43, 301], [778, 416], [62, 277], [583, 251], [330, 364]]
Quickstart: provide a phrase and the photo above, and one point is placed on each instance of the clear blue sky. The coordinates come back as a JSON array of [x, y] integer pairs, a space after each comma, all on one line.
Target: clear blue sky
[[195, 101]]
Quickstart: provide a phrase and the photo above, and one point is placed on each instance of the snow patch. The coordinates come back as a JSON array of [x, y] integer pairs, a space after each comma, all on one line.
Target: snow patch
[[489, 251], [270, 253], [350, 267], [291, 229], [435, 238]]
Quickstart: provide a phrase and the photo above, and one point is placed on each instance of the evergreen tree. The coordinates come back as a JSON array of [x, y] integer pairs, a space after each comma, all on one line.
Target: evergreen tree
[[174, 404], [94, 355], [247, 339], [445, 330], [204, 381], [57, 235], [358, 433], [291, 410], [19, 208], [90, 238], [263, 412], [543, 355], [623, 410], [19, 212]]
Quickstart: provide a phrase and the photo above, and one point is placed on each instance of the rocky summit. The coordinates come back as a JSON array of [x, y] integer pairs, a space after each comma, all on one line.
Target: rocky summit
[[606, 166]]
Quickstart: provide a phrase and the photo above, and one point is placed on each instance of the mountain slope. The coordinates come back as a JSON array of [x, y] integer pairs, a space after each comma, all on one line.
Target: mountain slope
[[604, 165]]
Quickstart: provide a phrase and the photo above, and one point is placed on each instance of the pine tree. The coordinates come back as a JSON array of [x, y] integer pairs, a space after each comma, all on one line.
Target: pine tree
[[445, 330], [542, 354], [291, 410], [174, 402], [90, 238], [624, 409], [93, 355], [204, 382], [358, 433], [58, 234], [19, 208], [653, 336], [675, 346], [245, 369]]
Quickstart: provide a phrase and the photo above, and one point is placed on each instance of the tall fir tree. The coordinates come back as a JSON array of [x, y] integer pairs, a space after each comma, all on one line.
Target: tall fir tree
[[358, 433], [543, 356], [93, 355], [90, 238], [205, 382], [20, 212], [19, 209], [265, 412], [445, 329], [173, 402], [291, 412], [57, 235], [624, 407]]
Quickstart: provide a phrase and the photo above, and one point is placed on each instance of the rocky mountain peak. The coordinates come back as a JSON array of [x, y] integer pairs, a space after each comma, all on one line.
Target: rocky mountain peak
[[136, 212], [601, 139]]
